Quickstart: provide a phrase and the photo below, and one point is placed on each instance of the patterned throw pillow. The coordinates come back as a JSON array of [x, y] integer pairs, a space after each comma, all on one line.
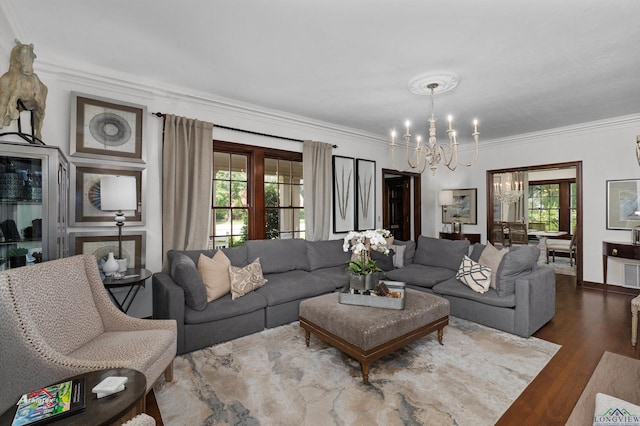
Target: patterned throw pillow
[[476, 276], [247, 279]]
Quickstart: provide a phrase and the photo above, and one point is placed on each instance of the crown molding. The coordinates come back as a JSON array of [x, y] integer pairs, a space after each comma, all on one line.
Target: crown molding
[[573, 130]]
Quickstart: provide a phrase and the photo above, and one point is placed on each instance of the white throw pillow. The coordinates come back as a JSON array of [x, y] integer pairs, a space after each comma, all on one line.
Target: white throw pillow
[[476, 276], [398, 257]]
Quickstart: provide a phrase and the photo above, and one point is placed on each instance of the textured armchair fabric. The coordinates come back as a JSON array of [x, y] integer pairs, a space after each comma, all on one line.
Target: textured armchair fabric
[[57, 320]]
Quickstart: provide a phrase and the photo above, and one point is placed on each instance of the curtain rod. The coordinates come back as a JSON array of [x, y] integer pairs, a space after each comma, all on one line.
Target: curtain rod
[[161, 115]]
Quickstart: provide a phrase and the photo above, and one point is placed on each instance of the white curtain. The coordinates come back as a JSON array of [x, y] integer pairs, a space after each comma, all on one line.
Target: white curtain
[[187, 174], [316, 163]]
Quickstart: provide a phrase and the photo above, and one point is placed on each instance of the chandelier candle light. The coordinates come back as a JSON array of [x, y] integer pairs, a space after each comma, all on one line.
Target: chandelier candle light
[[431, 153], [509, 191]]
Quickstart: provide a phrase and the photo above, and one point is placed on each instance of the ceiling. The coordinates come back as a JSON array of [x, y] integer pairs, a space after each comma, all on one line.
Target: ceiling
[[522, 65]]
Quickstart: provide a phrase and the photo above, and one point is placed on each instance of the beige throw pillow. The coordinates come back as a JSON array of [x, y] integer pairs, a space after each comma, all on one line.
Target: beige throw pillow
[[215, 275], [491, 257], [247, 279]]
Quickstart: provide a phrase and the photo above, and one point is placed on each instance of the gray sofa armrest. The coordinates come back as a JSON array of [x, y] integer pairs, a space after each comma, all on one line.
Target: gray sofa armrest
[[168, 303], [535, 300]]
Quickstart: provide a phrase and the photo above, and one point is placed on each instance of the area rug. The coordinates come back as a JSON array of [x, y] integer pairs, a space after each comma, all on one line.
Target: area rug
[[273, 378]]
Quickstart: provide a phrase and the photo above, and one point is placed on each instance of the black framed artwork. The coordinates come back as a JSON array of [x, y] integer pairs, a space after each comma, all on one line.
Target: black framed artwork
[[343, 194], [365, 194]]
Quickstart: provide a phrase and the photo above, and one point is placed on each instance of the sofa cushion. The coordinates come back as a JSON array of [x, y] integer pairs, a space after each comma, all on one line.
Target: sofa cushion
[[294, 285], [383, 261], [326, 254], [492, 257], [441, 253], [186, 275], [455, 288], [215, 275], [246, 279], [474, 275], [225, 307], [420, 275], [519, 261], [237, 255], [409, 251], [338, 275], [476, 252], [279, 255]]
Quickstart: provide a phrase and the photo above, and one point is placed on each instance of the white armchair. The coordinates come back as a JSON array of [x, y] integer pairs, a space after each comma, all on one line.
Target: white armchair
[[56, 321]]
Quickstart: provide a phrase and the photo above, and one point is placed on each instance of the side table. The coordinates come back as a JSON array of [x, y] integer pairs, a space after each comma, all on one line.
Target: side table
[[113, 409], [134, 279]]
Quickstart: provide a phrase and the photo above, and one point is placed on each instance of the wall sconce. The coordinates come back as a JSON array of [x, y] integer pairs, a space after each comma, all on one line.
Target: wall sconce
[[118, 193]]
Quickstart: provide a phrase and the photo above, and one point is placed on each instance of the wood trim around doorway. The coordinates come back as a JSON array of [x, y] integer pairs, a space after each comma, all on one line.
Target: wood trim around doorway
[[416, 220]]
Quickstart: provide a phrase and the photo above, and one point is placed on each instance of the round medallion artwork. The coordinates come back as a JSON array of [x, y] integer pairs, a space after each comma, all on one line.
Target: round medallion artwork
[[110, 129], [94, 195]]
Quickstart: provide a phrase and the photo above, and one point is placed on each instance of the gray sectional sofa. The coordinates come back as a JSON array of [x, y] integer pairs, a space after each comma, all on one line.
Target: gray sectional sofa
[[298, 269]]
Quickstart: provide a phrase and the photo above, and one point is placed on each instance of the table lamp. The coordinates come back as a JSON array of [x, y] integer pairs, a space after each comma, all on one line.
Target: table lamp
[[118, 193]]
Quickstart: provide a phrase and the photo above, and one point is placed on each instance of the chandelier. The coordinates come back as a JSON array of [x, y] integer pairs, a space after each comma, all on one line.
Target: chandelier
[[508, 191], [431, 153]]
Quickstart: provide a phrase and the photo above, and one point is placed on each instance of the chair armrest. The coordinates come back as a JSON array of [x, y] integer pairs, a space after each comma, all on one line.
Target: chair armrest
[[535, 300], [168, 303]]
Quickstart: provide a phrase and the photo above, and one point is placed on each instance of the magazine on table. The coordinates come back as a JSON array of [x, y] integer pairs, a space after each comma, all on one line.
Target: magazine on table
[[50, 403]]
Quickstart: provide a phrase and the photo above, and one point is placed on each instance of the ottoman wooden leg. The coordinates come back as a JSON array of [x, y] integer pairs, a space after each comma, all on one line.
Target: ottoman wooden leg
[[307, 337], [634, 325], [365, 372], [440, 334]]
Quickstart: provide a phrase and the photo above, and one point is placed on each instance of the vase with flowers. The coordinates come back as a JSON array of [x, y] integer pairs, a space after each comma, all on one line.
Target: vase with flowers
[[364, 273]]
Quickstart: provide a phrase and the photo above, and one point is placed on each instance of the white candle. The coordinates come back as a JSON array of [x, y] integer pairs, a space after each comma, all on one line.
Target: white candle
[[475, 126], [450, 120], [407, 123]]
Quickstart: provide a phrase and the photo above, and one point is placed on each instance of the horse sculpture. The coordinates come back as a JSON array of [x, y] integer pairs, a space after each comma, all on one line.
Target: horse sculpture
[[22, 90]]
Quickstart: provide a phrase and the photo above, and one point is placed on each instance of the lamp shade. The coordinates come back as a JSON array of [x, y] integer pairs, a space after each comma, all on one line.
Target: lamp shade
[[446, 198], [118, 193]]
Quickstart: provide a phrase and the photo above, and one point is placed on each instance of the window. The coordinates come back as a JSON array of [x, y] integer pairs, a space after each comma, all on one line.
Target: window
[[553, 204], [258, 194]]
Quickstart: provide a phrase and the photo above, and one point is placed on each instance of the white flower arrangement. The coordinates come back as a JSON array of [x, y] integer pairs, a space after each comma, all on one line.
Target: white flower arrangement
[[367, 240]]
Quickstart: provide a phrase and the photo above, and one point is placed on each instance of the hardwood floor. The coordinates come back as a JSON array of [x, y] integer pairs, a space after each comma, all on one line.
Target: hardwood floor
[[587, 323]]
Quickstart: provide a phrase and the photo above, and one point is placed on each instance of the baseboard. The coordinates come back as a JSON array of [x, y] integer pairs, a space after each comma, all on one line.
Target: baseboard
[[610, 288]]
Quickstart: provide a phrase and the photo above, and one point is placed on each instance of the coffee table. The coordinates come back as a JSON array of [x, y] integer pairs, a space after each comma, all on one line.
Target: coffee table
[[367, 333], [112, 409]]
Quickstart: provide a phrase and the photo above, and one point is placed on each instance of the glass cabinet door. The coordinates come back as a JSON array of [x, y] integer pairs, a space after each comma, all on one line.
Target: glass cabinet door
[[32, 217]]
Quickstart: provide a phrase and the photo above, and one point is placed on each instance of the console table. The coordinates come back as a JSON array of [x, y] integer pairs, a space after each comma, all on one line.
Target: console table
[[617, 249], [473, 238]]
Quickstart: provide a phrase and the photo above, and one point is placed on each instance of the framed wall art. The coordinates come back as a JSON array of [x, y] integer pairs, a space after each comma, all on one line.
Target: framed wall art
[[100, 243], [343, 194], [623, 211], [106, 129], [464, 207], [365, 194], [85, 184]]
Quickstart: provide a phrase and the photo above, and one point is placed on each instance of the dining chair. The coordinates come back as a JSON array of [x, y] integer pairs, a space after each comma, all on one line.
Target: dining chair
[[497, 234], [518, 233]]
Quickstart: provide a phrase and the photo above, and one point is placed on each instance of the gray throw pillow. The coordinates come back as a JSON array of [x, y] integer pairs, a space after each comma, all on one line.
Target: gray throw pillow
[[185, 273], [520, 260], [441, 253], [409, 251], [383, 261]]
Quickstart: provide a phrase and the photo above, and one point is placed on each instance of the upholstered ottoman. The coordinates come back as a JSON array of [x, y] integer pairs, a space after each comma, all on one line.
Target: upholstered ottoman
[[367, 333]]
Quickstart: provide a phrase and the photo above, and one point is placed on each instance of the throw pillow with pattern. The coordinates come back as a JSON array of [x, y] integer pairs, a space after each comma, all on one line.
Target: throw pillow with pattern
[[247, 279], [476, 276]]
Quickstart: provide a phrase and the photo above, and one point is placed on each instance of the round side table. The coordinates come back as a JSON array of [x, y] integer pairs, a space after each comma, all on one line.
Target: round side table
[[134, 278]]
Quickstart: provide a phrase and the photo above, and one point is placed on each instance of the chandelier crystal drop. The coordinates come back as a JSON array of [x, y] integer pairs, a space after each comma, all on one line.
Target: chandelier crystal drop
[[431, 154]]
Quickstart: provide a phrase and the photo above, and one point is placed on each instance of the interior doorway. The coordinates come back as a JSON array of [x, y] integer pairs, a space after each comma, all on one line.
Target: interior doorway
[[401, 204]]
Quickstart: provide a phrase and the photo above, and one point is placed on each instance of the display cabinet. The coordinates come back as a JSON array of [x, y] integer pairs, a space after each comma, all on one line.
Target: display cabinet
[[34, 199]]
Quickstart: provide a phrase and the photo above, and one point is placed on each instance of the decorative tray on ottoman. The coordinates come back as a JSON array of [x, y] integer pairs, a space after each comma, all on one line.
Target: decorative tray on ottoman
[[347, 297]]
